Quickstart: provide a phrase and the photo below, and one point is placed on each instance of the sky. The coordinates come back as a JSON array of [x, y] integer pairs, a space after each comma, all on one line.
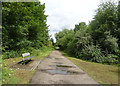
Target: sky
[[66, 13]]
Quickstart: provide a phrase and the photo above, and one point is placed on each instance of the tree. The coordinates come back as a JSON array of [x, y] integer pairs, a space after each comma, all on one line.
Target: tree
[[24, 25], [118, 25], [52, 40], [104, 23], [81, 25], [98, 41], [64, 37]]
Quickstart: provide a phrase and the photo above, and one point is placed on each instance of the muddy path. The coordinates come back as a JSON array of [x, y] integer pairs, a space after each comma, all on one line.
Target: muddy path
[[56, 69]]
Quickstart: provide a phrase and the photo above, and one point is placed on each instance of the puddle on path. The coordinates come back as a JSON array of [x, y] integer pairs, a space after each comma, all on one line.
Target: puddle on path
[[64, 66], [61, 66], [59, 71]]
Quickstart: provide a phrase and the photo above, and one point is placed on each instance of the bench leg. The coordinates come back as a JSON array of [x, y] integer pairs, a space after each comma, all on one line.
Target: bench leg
[[23, 62]]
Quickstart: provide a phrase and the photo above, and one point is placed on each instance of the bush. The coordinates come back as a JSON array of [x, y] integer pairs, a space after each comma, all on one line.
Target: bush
[[71, 49], [79, 41], [110, 43], [112, 59], [23, 44], [10, 54], [14, 54], [92, 53], [117, 52]]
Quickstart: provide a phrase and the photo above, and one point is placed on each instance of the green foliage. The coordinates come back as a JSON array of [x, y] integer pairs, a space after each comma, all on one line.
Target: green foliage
[[82, 38], [110, 44], [118, 24], [52, 40], [7, 76], [81, 25], [24, 28], [44, 51], [50, 43], [98, 41], [112, 59], [92, 53], [104, 21], [64, 36], [10, 54]]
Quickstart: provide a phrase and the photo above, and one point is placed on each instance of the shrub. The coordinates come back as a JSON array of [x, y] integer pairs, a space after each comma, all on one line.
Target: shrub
[[117, 52], [92, 53], [71, 49], [112, 59], [80, 40], [110, 43], [10, 54]]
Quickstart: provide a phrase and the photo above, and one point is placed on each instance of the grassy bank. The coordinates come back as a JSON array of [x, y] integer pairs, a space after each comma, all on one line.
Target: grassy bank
[[11, 76], [103, 74]]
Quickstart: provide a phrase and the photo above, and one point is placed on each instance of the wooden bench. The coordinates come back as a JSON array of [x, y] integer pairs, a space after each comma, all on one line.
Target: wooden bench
[[24, 55]]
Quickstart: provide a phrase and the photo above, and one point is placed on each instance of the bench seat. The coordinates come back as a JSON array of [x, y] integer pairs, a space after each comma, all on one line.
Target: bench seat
[[28, 58]]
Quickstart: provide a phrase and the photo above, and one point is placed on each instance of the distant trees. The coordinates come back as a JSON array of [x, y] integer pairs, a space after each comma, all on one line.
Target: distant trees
[[63, 37], [52, 40], [98, 41], [80, 26], [23, 26]]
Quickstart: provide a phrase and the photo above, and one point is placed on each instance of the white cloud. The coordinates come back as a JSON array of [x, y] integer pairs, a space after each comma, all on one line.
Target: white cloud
[[66, 13]]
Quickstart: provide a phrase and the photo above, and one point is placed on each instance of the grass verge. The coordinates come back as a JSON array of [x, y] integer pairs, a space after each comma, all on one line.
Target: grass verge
[[103, 74], [10, 76]]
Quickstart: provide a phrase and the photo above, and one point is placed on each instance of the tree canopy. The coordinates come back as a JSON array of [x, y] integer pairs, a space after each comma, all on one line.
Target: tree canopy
[[23, 26], [99, 41]]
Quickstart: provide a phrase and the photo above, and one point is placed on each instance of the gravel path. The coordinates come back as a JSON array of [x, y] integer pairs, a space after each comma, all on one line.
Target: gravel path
[[56, 69]]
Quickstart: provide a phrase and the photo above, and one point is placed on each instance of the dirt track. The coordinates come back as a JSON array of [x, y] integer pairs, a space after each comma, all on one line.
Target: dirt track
[[56, 69]]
